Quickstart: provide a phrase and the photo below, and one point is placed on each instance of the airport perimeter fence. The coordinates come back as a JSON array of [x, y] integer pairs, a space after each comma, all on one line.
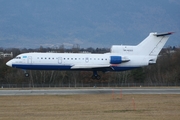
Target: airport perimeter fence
[[89, 85]]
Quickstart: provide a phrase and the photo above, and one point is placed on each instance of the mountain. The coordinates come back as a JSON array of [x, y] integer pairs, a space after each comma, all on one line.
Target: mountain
[[88, 23]]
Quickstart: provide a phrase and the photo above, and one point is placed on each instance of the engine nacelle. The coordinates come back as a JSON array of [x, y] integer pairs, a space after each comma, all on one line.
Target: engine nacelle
[[115, 59]]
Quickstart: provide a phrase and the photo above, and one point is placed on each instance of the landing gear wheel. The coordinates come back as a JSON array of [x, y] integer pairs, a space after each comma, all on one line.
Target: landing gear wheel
[[97, 77], [93, 77], [26, 74]]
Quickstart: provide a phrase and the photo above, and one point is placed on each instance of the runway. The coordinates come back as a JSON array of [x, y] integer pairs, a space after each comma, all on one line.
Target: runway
[[91, 91]]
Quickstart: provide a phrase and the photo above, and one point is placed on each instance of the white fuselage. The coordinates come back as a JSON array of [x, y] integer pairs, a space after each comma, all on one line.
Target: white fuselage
[[76, 61]]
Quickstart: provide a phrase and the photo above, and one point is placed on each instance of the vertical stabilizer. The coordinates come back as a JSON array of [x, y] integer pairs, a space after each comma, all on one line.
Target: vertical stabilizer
[[153, 44]]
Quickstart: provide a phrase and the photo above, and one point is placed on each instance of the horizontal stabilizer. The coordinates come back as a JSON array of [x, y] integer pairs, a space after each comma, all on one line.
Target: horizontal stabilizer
[[89, 66], [163, 34]]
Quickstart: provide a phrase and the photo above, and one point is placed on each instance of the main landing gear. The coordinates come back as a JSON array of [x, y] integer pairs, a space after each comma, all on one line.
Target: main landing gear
[[96, 76]]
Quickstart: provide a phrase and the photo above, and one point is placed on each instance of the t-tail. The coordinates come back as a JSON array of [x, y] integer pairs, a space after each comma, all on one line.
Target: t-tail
[[149, 48], [153, 44]]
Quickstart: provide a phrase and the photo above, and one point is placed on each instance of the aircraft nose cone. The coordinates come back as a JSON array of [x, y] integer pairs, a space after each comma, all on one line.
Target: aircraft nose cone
[[9, 63]]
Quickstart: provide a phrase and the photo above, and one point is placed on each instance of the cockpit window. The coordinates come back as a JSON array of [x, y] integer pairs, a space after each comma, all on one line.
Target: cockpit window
[[17, 57]]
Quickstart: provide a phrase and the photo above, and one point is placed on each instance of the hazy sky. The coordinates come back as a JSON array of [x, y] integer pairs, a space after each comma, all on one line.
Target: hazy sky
[[89, 23]]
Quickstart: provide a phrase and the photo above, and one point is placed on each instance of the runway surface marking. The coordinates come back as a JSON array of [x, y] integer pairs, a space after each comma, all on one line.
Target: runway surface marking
[[90, 91]]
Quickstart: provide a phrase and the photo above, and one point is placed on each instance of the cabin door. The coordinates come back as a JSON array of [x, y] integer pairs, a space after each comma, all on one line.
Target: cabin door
[[29, 60], [60, 60]]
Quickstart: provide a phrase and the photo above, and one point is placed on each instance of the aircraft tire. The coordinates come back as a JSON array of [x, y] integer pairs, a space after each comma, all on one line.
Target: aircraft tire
[[98, 77], [93, 77], [26, 74]]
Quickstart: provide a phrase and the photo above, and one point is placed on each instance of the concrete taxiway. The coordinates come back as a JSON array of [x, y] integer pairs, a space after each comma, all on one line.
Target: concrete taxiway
[[91, 91]]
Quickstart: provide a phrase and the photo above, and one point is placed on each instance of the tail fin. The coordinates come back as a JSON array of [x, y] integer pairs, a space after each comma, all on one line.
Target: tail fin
[[153, 44]]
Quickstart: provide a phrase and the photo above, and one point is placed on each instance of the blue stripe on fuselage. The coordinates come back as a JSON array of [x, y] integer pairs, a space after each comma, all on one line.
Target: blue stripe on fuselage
[[67, 67], [42, 67]]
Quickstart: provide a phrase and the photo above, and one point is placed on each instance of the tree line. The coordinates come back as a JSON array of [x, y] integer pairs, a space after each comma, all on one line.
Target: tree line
[[166, 70]]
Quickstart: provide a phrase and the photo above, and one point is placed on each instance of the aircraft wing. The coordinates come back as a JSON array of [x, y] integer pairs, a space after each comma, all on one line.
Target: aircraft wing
[[89, 66]]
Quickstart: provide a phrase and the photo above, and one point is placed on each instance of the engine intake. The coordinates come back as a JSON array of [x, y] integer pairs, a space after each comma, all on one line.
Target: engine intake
[[115, 59]]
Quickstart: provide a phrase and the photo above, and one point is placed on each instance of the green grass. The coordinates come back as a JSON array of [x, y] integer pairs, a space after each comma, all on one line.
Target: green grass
[[88, 107]]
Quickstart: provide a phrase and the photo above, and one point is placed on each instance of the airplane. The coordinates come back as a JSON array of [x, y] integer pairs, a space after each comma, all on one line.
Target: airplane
[[120, 58]]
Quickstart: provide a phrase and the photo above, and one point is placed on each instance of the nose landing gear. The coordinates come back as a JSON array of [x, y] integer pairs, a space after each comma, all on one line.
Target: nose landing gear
[[26, 74]]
